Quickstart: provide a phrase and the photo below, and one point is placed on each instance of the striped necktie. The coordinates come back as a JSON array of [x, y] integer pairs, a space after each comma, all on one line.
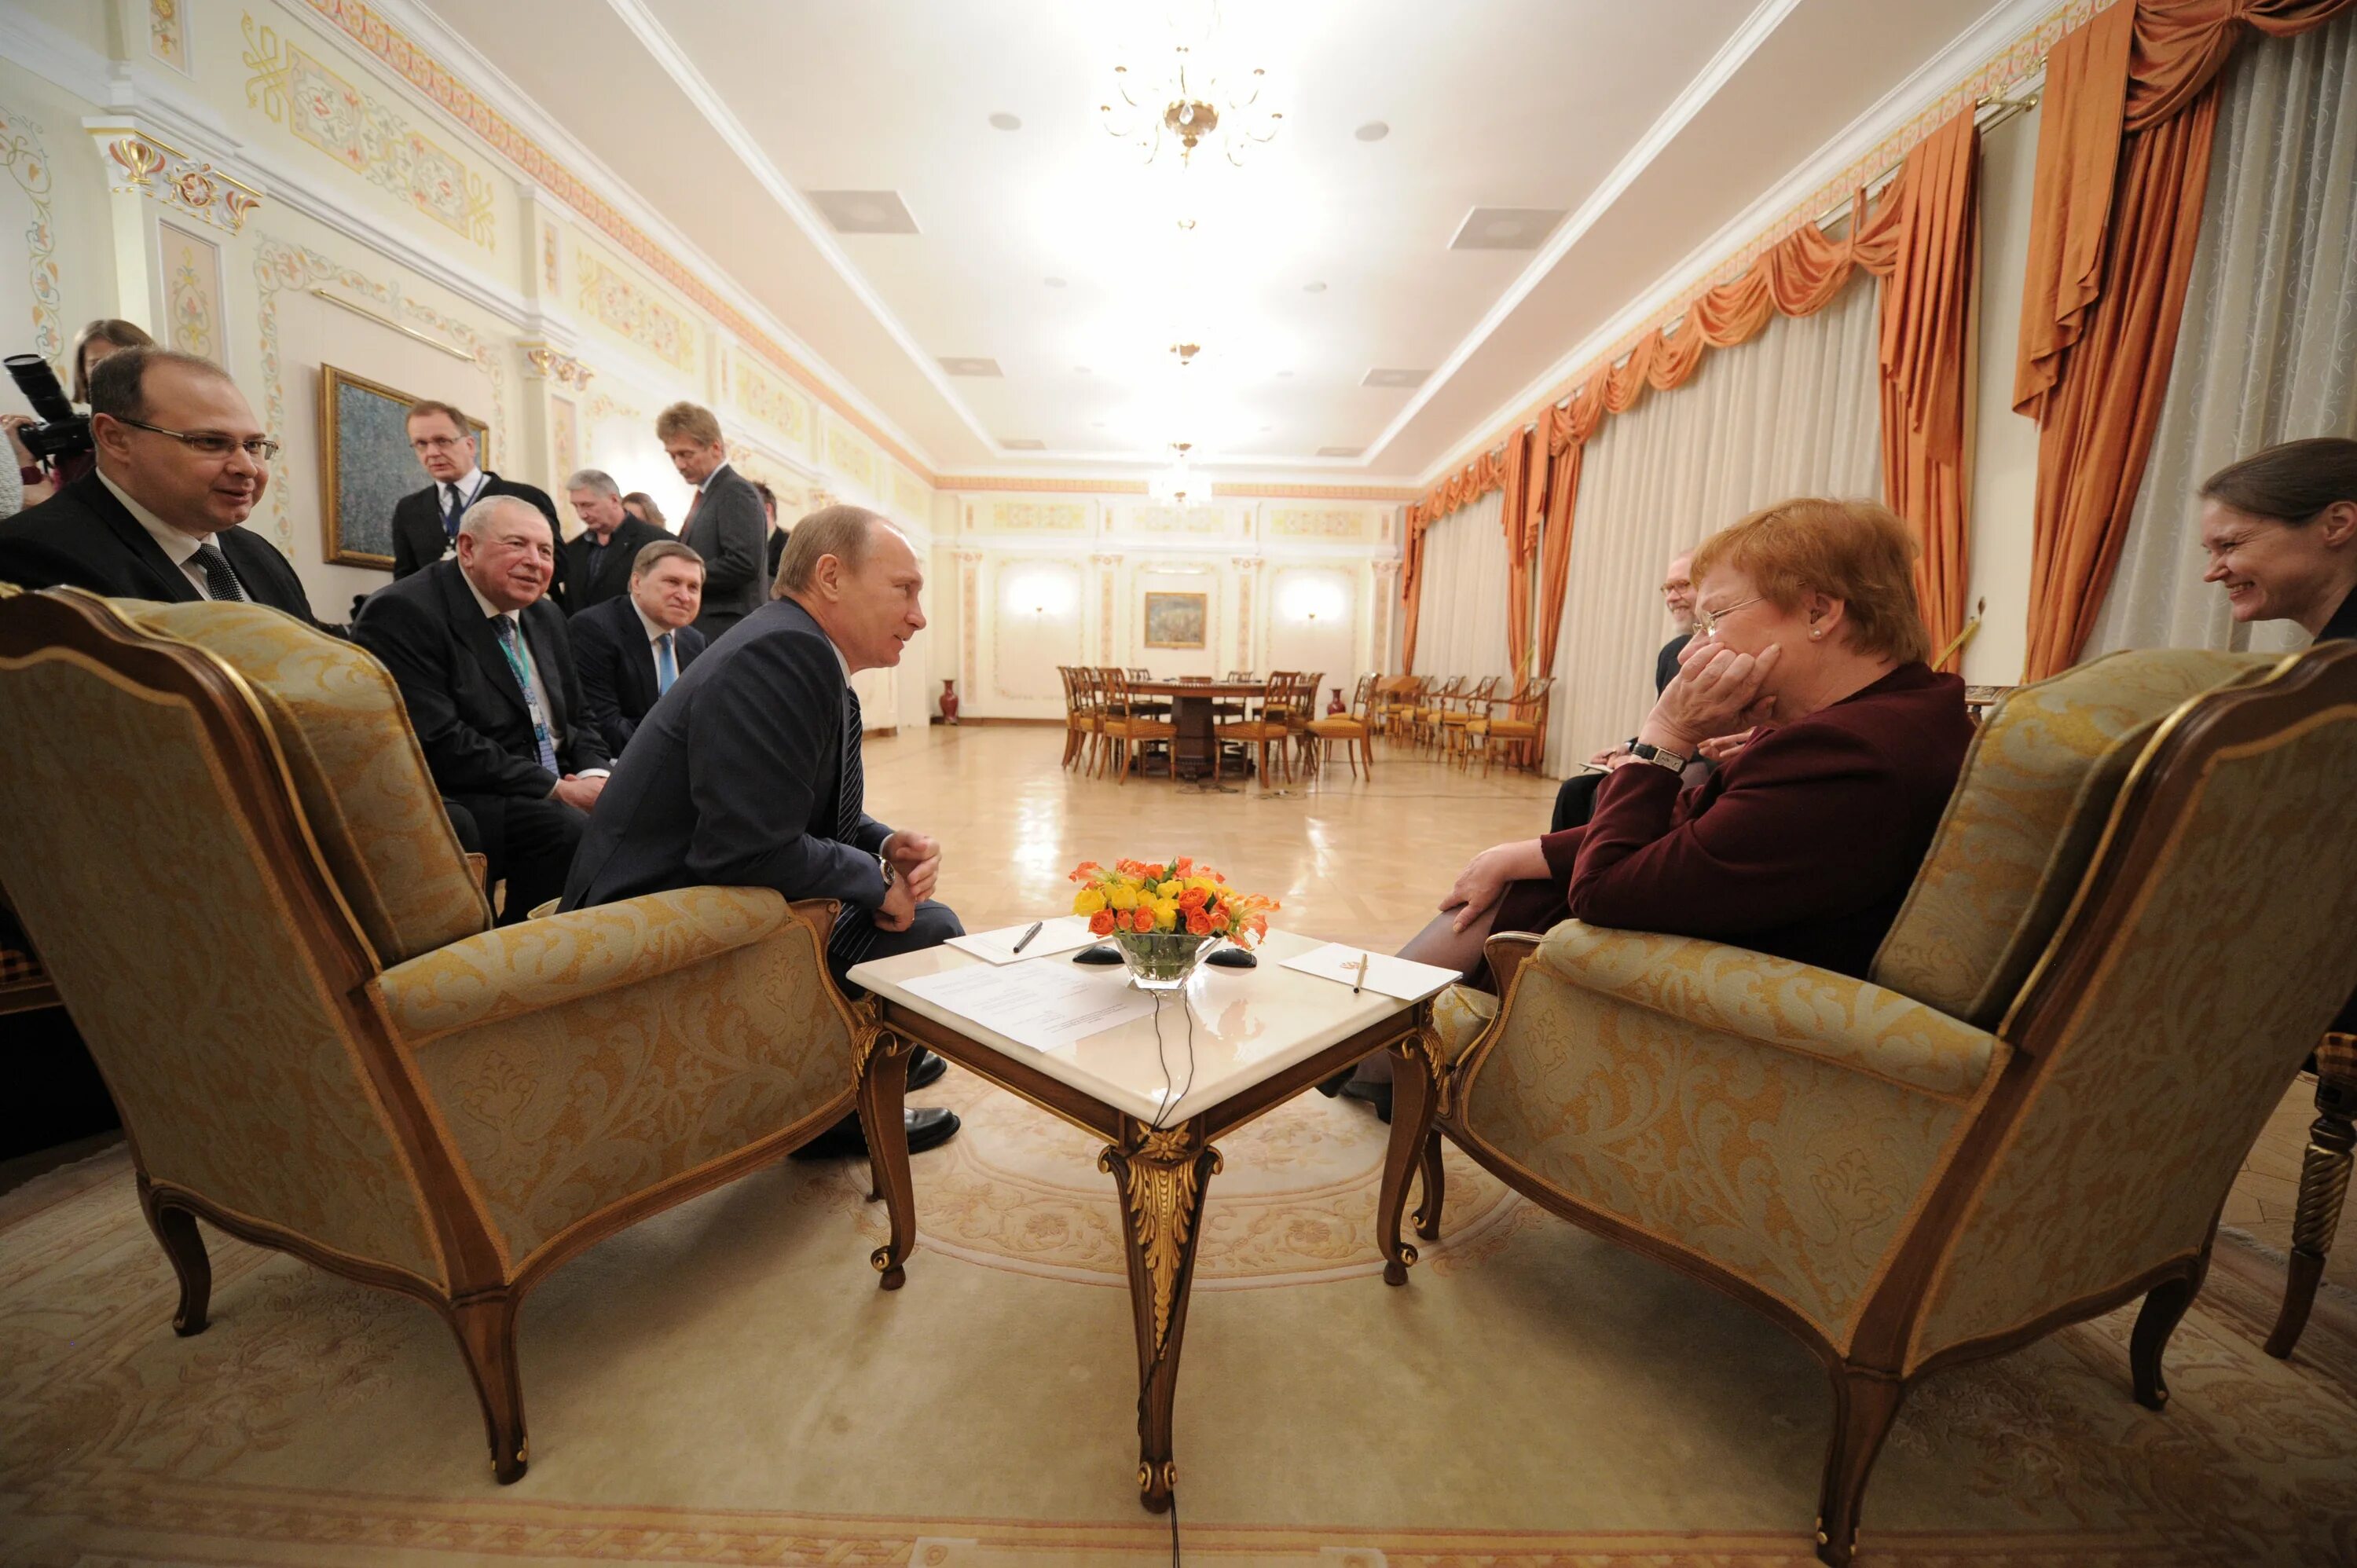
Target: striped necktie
[[511, 644], [220, 583], [854, 788], [666, 670]]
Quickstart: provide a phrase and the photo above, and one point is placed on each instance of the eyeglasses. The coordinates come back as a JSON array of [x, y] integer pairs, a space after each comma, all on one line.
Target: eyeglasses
[[1679, 585], [213, 443], [1706, 621], [439, 443]]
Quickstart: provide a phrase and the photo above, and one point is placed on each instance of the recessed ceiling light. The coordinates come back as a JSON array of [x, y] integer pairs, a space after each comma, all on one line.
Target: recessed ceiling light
[[1505, 227], [863, 211], [1392, 378], [1006, 121], [1053, 283], [961, 365], [1024, 443], [1372, 131], [1313, 288]]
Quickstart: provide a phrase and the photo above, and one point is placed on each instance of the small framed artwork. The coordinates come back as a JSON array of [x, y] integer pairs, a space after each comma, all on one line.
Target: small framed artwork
[[366, 466], [1177, 620]]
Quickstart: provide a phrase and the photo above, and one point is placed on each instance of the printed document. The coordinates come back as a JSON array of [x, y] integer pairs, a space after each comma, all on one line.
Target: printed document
[[1046, 1006]]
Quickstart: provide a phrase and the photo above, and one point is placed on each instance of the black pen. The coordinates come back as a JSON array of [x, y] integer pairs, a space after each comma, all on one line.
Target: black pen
[[1028, 935]]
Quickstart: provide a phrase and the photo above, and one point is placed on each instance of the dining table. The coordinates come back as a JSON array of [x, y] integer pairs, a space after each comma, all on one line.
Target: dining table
[[1191, 702]]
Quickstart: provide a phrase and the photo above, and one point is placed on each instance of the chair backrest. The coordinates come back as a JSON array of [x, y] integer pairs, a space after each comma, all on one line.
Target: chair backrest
[[161, 858], [358, 768], [1531, 702], [1362, 698], [2037, 788], [2214, 936]]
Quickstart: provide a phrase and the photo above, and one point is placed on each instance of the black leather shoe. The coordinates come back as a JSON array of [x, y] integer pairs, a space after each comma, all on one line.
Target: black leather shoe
[[1379, 1095], [1334, 1086], [929, 1128], [925, 1068]]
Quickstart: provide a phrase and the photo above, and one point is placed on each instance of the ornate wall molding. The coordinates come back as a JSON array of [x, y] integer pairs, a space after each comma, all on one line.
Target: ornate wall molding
[[167, 32], [616, 302], [542, 363], [145, 165], [193, 312], [27, 161]]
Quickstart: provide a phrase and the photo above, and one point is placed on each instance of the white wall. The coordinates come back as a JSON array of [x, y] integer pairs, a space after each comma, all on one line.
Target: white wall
[[2004, 473]]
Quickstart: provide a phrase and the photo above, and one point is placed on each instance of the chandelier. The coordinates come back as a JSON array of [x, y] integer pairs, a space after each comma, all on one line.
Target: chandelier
[[1172, 486], [1189, 98]]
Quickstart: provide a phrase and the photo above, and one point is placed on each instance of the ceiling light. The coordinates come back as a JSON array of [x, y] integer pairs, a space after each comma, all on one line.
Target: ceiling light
[[1505, 227], [1372, 131], [1313, 288], [1173, 484], [863, 211], [1006, 121], [959, 365], [1182, 93]]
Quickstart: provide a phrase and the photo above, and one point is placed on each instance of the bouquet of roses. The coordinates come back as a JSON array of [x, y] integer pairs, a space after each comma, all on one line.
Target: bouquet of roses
[[1174, 897]]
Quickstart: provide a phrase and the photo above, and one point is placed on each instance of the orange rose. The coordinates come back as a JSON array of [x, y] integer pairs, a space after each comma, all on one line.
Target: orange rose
[[1101, 923], [1197, 923], [1193, 899]]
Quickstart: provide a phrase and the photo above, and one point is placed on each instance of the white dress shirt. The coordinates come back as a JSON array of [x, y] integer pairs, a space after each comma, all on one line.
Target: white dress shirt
[[179, 548]]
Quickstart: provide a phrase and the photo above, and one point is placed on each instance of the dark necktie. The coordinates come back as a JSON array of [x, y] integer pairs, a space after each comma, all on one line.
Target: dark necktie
[[511, 644], [451, 512], [220, 583], [849, 799]]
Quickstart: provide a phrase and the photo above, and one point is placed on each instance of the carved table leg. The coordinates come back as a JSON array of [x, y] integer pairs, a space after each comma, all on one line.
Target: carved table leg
[[1416, 1095], [1162, 1175], [2323, 1187], [883, 1077]]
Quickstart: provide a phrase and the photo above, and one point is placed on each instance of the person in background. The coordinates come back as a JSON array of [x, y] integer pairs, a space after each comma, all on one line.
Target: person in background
[[1577, 797], [640, 505], [777, 534], [723, 522], [601, 557], [486, 670], [181, 464], [92, 345], [631, 649], [426, 522]]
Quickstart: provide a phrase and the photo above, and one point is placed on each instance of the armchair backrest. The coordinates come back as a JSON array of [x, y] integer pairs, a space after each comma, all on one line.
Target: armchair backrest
[[161, 859], [2037, 786], [357, 769], [2213, 938]]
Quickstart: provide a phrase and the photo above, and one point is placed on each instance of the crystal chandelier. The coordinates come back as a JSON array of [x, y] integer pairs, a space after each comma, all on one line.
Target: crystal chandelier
[[1184, 96], [1172, 486]]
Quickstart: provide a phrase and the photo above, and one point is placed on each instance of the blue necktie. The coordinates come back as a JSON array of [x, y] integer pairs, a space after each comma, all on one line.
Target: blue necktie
[[666, 671], [451, 512], [511, 644]]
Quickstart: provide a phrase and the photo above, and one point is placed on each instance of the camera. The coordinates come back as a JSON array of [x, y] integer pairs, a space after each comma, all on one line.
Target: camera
[[62, 431]]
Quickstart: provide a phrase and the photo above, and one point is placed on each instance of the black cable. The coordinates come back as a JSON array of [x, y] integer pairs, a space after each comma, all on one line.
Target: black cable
[[1173, 1530]]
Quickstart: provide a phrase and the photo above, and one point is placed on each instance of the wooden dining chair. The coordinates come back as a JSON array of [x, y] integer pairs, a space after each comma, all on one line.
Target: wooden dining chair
[[1434, 702], [1459, 711], [1262, 724], [1354, 729], [1080, 714], [1128, 732], [1521, 728], [1401, 696]]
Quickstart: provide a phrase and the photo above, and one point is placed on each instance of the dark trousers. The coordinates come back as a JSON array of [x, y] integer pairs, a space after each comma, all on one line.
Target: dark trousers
[[1575, 802], [529, 844], [935, 924]]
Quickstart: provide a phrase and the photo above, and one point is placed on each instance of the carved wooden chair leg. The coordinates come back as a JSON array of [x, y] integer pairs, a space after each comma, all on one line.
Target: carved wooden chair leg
[[1435, 1182], [486, 1326], [176, 1233], [2323, 1187], [1864, 1403], [2164, 1308]]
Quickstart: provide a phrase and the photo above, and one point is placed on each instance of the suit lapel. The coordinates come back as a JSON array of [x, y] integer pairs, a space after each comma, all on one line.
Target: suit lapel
[[475, 631], [170, 583]]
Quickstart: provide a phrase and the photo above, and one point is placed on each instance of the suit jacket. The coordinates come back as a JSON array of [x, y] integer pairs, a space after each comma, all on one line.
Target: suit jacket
[[618, 666], [736, 777], [83, 538], [726, 532], [462, 698], [419, 541], [776, 550], [1665, 662], [1803, 846], [595, 575]]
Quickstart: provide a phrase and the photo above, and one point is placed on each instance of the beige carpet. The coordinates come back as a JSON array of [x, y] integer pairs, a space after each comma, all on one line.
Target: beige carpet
[[725, 1385]]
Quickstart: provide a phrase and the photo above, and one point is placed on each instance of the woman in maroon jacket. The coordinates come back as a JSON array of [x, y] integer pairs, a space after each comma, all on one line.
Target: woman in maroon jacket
[[1803, 844]]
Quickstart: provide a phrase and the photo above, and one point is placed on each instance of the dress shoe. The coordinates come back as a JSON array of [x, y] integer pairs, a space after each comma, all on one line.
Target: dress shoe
[[925, 1068], [929, 1128], [1378, 1095]]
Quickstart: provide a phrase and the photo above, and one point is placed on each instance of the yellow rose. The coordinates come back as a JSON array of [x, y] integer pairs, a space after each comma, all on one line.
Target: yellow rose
[[1088, 902], [1123, 897], [1166, 914], [1171, 889]]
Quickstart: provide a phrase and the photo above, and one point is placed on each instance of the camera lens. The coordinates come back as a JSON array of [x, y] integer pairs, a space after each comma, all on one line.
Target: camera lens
[[39, 384]]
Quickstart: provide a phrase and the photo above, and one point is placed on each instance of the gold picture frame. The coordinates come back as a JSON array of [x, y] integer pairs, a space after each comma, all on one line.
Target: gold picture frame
[[366, 466], [1177, 620]]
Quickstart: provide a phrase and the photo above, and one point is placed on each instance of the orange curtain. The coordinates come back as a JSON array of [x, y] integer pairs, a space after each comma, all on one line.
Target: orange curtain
[[2123, 166], [1525, 487]]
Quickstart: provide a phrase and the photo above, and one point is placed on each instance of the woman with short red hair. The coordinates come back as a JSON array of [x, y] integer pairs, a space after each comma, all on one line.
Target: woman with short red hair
[[1804, 842]]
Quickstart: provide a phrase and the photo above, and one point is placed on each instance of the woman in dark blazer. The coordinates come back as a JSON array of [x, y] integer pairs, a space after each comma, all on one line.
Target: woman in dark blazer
[[1803, 844]]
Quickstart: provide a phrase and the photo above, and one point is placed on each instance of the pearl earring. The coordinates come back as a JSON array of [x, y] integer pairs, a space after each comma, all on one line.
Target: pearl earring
[[1816, 631]]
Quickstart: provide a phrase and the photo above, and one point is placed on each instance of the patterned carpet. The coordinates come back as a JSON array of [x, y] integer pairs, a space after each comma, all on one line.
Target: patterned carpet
[[725, 1385]]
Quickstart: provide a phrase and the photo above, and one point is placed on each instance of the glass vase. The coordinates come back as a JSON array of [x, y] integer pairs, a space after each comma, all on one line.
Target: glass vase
[[1160, 960]]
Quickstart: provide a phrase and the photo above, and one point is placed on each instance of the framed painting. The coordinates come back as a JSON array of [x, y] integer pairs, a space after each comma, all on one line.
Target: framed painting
[[1177, 620], [366, 466]]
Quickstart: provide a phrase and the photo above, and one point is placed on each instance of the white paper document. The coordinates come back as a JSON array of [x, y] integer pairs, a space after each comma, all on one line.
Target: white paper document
[[1402, 979], [1046, 1006], [1059, 935]]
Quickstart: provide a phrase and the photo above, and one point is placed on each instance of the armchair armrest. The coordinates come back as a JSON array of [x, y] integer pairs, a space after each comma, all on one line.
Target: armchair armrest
[[1776, 1002]]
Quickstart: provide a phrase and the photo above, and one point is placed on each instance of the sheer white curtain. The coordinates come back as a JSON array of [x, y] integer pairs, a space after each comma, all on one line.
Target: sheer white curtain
[[1461, 627], [1795, 412], [2268, 349]]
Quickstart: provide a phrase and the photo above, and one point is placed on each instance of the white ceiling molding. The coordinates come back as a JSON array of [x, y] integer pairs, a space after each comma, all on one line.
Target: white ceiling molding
[[1739, 46], [488, 82], [1996, 32], [813, 225]]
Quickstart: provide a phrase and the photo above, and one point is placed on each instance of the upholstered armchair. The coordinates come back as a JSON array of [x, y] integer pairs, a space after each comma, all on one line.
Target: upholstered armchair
[[223, 839], [2139, 910]]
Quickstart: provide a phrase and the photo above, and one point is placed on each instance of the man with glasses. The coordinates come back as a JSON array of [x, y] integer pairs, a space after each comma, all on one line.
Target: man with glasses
[[426, 522], [1577, 798], [181, 464]]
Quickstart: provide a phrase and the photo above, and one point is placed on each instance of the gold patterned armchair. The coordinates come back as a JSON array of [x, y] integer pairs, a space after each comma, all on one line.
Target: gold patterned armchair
[[222, 835], [2138, 912]]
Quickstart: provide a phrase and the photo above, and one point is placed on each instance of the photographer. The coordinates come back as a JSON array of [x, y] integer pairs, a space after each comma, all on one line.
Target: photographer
[[44, 474]]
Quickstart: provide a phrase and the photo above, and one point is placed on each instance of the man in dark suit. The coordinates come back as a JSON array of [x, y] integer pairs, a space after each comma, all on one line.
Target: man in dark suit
[[426, 522], [486, 670], [630, 649], [597, 562], [1577, 798], [777, 544], [747, 773], [724, 523], [181, 463]]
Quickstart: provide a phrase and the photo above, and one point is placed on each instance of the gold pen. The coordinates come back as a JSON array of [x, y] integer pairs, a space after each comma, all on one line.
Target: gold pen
[[1363, 959]]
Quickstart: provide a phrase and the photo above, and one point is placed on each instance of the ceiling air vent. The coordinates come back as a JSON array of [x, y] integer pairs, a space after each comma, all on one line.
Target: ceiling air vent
[[1506, 228], [863, 211], [1341, 451], [1024, 443], [1383, 377], [962, 365]]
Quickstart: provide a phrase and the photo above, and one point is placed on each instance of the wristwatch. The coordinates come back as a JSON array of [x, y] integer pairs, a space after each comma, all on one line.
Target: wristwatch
[[890, 876], [1646, 751]]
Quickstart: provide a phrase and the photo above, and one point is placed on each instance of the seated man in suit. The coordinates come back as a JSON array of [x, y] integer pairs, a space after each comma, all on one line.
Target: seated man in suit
[[181, 463], [426, 522], [630, 649], [748, 773], [1577, 798], [486, 670], [725, 523], [598, 563]]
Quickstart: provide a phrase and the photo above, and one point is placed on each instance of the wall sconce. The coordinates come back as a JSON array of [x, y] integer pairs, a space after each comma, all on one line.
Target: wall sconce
[[1038, 593]]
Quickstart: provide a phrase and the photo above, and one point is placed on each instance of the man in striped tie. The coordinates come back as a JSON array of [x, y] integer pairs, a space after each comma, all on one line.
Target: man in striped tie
[[747, 773]]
